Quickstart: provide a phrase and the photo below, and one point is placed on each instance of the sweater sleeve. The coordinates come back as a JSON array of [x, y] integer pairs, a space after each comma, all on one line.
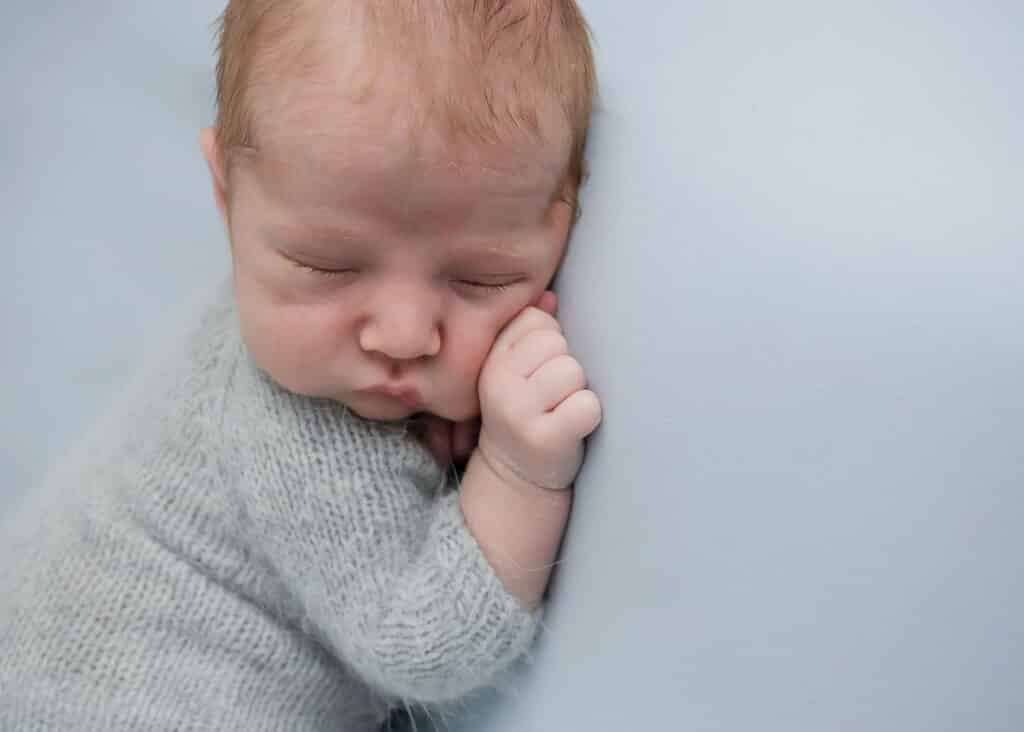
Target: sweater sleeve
[[355, 520]]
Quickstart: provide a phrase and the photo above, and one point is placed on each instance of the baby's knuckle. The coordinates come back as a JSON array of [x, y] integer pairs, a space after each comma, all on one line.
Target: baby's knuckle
[[591, 408], [559, 339], [574, 372], [544, 319], [532, 315], [551, 341]]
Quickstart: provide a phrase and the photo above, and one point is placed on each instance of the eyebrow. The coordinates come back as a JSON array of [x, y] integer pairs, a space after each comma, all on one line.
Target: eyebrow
[[493, 257], [305, 233]]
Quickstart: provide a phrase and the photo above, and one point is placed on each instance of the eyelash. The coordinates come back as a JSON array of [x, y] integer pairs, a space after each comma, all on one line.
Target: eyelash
[[324, 272], [485, 286], [333, 273]]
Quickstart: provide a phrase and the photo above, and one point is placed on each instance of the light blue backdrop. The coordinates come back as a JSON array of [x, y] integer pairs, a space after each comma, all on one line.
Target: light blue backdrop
[[106, 219], [799, 287]]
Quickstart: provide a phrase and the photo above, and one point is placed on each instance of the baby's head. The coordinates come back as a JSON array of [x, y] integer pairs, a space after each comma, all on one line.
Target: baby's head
[[399, 181]]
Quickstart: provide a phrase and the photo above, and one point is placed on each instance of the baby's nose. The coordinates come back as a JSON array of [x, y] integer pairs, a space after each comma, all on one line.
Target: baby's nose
[[403, 331]]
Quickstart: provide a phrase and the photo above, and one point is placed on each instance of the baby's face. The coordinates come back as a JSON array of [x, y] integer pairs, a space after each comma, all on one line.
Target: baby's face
[[378, 273]]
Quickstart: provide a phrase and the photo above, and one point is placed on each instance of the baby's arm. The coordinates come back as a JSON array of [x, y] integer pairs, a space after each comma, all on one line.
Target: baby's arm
[[354, 539], [535, 412], [425, 593]]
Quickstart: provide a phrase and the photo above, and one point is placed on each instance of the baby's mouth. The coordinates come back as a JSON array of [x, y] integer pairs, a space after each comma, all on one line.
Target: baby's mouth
[[408, 395]]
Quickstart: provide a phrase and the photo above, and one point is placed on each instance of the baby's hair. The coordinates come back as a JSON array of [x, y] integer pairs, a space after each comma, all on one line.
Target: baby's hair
[[482, 68]]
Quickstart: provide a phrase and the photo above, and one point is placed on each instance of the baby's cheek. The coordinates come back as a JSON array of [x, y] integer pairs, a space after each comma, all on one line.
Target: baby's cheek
[[465, 364], [466, 357], [285, 342]]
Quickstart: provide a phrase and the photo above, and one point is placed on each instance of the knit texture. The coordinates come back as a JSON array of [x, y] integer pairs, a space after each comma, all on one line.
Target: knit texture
[[224, 555]]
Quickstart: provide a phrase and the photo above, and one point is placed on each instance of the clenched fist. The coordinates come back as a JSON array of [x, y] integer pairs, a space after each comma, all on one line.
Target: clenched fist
[[535, 406]]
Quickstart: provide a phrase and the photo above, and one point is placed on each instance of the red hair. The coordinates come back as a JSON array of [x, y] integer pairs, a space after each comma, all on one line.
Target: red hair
[[496, 65]]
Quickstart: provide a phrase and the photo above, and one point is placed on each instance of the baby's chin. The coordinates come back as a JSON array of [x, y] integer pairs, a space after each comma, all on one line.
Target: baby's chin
[[380, 412]]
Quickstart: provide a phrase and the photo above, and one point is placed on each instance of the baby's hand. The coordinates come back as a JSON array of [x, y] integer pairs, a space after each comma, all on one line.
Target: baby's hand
[[534, 402]]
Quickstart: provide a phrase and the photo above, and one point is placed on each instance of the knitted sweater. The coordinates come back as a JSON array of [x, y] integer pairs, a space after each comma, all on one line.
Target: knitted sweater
[[225, 555]]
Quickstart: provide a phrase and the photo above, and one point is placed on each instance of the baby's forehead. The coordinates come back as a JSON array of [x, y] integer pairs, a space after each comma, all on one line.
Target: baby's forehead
[[323, 108], [370, 195], [323, 138], [370, 172]]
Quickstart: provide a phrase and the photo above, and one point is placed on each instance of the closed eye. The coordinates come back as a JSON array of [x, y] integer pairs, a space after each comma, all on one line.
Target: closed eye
[[324, 272], [498, 287], [322, 268], [488, 286], [327, 272]]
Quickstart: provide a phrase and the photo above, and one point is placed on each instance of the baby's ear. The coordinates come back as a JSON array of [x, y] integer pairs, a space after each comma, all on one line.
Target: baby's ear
[[215, 161], [568, 195], [565, 208]]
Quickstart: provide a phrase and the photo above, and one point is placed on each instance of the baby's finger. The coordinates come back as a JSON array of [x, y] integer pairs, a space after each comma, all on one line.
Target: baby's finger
[[534, 350], [580, 414], [548, 302], [528, 320], [555, 381]]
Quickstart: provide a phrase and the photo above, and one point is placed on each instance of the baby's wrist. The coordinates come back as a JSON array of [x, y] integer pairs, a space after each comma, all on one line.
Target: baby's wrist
[[518, 526], [503, 470]]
